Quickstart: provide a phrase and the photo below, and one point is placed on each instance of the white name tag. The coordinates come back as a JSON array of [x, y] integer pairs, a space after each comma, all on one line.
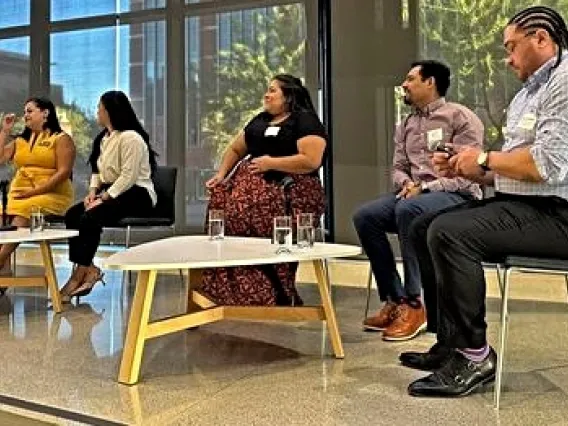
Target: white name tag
[[435, 135], [527, 122], [272, 131], [434, 138]]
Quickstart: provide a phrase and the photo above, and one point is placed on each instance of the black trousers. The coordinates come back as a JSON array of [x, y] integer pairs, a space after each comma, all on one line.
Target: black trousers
[[452, 244], [134, 202]]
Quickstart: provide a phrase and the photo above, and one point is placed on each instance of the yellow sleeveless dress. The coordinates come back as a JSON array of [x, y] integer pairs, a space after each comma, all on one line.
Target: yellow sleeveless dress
[[35, 163]]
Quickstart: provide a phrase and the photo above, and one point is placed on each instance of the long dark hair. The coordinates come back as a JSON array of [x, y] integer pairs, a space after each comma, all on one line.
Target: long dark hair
[[122, 117], [51, 123], [296, 95]]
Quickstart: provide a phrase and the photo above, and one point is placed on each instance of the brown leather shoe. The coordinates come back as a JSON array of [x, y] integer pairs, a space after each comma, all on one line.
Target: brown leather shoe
[[382, 319], [408, 323]]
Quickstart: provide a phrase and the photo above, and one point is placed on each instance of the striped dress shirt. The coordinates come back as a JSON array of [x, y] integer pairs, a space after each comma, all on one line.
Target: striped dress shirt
[[538, 118]]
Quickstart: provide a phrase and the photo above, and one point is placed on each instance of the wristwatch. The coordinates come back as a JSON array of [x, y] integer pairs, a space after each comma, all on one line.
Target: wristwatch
[[482, 160], [424, 188]]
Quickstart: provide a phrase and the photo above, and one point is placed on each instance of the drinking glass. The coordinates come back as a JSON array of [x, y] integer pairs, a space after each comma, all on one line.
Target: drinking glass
[[216, 225], [283, 234], [305, 230], [36, 220]]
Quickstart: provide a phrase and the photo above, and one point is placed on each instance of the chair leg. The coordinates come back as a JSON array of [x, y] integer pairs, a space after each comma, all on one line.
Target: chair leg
[[499, 271], [502, 338], [369, 284]]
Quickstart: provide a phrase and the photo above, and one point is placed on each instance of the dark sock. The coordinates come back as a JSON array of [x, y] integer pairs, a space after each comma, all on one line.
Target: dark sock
[[475, 355]]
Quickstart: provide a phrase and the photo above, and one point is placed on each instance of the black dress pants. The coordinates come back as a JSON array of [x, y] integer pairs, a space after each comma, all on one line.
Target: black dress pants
[[459, 239], [134, 202]]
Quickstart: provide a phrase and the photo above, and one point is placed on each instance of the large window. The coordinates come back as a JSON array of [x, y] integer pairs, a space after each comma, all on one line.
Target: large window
[[231, 51], [86, 63], [15, 66], [229, 62], [69, 9], [14, 13]]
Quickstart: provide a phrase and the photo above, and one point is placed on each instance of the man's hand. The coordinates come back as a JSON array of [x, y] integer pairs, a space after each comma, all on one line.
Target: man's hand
[[261, 164], [405, 190], [465, 164], [413, 192], [441, 162]]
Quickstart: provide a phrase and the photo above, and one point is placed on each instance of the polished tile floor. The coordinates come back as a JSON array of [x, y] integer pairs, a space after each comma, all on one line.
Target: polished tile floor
[[257, 373]]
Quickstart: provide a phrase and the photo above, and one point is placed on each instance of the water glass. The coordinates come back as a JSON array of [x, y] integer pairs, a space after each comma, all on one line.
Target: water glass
[[216, 228], [36, 220], [305, 230], [283, 234]]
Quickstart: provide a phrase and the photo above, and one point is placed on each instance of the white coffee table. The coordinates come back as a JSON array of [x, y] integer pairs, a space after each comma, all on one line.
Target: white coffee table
[[49, 279], [195, 253]]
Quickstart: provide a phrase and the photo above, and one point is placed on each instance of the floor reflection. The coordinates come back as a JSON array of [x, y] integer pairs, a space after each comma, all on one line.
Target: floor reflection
[[260, 372]]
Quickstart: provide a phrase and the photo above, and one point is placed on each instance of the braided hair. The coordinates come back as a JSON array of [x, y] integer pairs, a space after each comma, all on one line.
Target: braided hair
[[546, 18]]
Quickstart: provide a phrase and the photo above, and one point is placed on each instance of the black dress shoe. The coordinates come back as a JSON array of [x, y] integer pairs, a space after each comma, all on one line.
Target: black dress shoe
[[432, 360], [459, 377]]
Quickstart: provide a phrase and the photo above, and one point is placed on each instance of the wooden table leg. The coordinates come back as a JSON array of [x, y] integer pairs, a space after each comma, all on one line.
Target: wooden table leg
[[50, 276], [324, 286], [193, 282], [137, 324]]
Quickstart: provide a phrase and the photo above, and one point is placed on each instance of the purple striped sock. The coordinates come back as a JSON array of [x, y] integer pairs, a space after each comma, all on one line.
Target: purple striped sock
[[475, 355]]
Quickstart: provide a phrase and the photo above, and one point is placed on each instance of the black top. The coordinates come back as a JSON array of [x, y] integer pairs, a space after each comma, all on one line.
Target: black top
[[283, 141]]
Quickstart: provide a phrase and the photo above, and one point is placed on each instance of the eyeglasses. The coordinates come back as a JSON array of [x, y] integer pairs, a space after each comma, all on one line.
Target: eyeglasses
[[510, 46]]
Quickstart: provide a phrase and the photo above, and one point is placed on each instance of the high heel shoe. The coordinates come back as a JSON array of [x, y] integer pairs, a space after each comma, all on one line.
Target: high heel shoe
[[93, 276], [74, 282]]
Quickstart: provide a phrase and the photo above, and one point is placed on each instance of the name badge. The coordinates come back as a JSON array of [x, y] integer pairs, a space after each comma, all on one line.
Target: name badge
[[434, 137], [527, 122], [272, 131]]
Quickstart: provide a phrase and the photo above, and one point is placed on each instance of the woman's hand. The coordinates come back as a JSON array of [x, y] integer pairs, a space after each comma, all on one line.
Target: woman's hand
[[21, 194], [96, 202], [89, 198], [8, 122], [214, 181], [261, 164]]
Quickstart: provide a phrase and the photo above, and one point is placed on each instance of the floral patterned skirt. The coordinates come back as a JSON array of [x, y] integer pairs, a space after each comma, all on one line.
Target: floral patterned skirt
[[250, 203]]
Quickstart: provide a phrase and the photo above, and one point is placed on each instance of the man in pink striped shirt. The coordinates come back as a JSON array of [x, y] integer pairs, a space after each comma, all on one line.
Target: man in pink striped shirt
[[432, 123]]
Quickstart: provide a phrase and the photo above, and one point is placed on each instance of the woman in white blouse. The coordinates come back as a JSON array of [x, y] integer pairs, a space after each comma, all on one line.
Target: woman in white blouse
[[123, 162]]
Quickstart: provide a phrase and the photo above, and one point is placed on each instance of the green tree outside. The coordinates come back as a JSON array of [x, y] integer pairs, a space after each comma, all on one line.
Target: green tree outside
[[468, 36], [245, 69]]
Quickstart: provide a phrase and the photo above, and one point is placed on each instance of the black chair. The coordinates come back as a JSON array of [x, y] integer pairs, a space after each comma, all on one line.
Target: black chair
[[163, 215]]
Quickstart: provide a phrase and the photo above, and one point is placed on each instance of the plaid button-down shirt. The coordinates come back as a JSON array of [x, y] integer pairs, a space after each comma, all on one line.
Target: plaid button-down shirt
[[538, 118], [412, 157]]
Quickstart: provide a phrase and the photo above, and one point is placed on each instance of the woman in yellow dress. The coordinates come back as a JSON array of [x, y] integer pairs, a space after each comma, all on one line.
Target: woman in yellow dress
[[43, 157]]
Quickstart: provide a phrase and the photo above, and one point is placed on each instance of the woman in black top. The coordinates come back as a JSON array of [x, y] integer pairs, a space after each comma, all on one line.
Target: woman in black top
[[281, 150]]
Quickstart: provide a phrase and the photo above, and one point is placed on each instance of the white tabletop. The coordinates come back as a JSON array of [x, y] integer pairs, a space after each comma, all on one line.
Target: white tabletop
[[197, 251], [21, 235]]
